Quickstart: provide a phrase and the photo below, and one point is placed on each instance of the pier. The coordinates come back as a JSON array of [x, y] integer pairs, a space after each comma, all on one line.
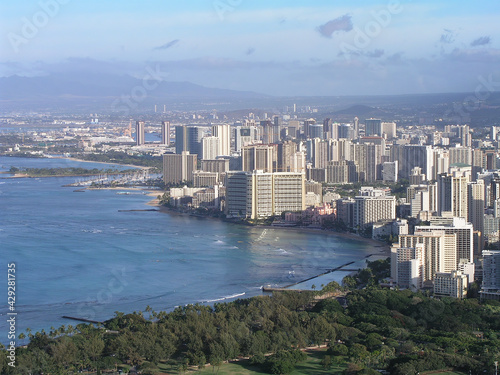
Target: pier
[[82, 320], [269, 288]]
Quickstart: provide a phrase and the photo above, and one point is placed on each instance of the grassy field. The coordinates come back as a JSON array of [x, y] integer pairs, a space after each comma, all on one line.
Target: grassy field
[[311, 366]]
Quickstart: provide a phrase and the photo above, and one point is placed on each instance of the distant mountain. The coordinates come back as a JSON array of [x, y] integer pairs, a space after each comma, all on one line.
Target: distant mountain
[[66, 88], [362, 111]]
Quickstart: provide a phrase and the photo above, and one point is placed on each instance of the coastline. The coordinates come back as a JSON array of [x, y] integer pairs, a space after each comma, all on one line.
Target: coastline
[[383, 247], [380, 249], [100, 162]]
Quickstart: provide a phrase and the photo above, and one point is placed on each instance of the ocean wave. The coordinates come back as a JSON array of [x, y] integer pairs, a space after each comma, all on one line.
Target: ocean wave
[[282, 251], [255, 287], [224, 298], [91, 230]]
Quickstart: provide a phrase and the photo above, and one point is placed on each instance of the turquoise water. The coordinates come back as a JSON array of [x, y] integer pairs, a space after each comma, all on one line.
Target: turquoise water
[[77, 255]]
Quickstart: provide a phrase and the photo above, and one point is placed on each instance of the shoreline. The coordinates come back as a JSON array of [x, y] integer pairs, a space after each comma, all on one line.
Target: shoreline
[[380, 249], [100, 162], [384, 248]]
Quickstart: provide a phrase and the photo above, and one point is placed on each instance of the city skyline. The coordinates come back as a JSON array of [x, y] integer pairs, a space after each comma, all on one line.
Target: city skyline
[[278, 49]]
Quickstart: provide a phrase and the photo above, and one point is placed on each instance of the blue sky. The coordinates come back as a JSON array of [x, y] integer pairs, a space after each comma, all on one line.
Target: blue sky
[[274, 47]]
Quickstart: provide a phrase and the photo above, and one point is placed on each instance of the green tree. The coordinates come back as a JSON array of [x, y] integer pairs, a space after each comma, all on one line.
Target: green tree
[[326, 362]]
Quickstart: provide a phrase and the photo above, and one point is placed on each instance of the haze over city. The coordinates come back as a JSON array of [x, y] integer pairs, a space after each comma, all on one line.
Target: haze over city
[[281, 48]]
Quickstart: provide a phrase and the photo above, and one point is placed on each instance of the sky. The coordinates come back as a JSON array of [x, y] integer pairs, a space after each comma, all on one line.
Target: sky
[[298, 48]]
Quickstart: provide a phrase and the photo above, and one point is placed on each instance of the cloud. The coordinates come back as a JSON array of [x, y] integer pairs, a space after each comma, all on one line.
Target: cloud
[[342, 23], [448, 37], [375, 53], [167, 45], [475, 56], [250, 51], [482, 41]]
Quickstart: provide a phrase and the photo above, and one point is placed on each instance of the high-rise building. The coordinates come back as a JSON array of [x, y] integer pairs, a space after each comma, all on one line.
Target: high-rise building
[[257, 157], [223, 132], [178, 168], [329, 130], [356, 127], [422, 199], [460, 156], [210, 147], [244, 136], [390, 171], [358, 153], [373, 162], [341, 172], [205, 179], [476, 205], [219, 165], [453, 194], [408, 266], [346, 131], [238, 200], [308, 123], [388, 130], [298, 163], [369, 210], [286, 152], [411, 156], [316, 131], [451, 284], [373, 127], [258, 195], [267, 131], [452, 225], [139, 133], [188, 138], [439, 250], [320, 154], [277, 126], [490, 288], [165, 133]]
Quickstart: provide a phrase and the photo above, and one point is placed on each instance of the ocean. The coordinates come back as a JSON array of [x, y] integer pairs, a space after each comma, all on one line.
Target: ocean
[[77, 255]]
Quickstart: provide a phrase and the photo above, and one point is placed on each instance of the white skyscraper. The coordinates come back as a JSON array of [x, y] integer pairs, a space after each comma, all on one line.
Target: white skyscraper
[[223, 132], [165, 133], [210, 148]]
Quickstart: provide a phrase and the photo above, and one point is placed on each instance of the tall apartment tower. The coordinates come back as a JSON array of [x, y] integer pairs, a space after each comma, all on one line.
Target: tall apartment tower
[[368, 210], [210, 148], [356, 127], [408, 265], [139, 133], [490, 288], [439, 250], [179, 168], [188, 138], [259, 194], [476, 206], [267, 131], [165, 133], [453, 195], [277, 125], [223, 132], [463, 230], [259, 157], [373, 127]]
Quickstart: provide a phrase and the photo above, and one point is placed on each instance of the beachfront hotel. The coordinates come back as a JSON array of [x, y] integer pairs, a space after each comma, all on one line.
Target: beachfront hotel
[[258, 195]]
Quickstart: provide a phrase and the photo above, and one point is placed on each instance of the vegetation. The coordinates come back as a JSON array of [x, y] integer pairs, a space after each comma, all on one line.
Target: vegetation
[[399, 331], [155, 162]]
